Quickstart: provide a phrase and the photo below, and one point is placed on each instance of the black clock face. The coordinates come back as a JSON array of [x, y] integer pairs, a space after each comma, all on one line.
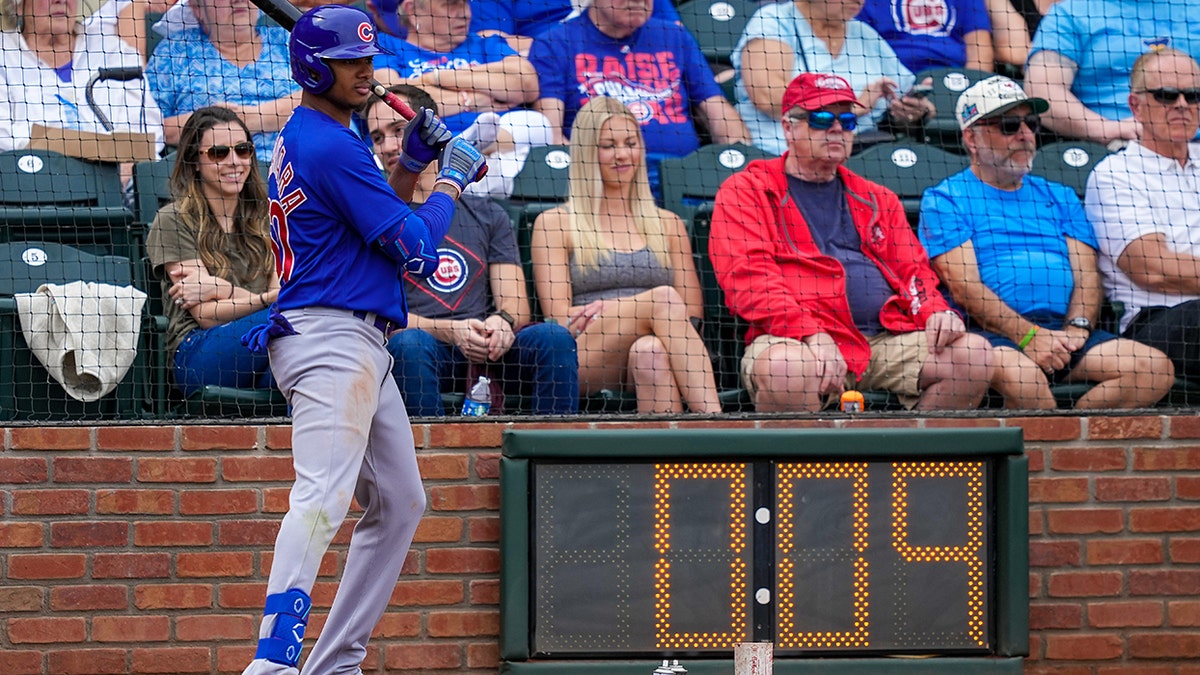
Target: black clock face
[[861, 545], [887, 557]]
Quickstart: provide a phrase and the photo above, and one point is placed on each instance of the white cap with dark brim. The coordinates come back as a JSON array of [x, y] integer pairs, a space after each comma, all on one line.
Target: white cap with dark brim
[[993, 96]]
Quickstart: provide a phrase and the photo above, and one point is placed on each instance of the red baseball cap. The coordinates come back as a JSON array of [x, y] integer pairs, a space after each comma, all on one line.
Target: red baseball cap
[[813, 91]]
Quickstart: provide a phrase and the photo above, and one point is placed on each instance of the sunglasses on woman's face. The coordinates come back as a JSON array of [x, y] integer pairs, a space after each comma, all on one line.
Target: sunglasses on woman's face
[[1011, 124], [822, 120], [1169, 95], [218, 153]]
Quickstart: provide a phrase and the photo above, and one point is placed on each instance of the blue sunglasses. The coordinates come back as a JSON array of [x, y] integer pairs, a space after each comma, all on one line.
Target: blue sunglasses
[[823, 120]]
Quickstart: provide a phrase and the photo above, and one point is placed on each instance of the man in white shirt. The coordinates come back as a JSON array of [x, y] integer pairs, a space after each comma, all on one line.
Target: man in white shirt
[[1144, 204]]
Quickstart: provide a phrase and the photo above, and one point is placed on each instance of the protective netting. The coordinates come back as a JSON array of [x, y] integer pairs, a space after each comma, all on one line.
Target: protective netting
[[934, 238]]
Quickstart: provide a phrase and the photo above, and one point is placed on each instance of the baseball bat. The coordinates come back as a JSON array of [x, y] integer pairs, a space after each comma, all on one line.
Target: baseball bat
[[285, 14]]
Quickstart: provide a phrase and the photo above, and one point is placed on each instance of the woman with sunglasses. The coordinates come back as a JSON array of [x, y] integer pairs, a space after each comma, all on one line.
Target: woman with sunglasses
[[617, 271], [211, 249]]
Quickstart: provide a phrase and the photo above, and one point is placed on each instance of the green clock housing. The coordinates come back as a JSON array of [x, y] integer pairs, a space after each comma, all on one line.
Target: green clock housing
[[853, 551]]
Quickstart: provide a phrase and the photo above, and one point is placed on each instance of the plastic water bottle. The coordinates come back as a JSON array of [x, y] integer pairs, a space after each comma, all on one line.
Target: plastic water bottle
[[479, 398]]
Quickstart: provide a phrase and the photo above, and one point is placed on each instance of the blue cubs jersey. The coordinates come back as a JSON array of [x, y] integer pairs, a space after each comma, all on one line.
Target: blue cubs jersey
[[329, 204]]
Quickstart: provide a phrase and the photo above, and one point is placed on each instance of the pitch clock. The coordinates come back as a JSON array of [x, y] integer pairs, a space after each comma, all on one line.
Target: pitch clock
[[877, 550]]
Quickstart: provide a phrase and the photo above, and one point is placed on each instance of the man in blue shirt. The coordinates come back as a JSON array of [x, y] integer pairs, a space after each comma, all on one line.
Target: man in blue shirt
[[652, 66], [1018, 254], [1084, 51]]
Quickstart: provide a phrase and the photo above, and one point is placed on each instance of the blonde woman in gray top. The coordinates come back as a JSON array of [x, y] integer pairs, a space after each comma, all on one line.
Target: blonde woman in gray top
[[617, 271]]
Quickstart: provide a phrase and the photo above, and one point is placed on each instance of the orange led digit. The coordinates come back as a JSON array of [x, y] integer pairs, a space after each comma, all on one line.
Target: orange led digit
[[665, 476], [971, 553], [787, 634]]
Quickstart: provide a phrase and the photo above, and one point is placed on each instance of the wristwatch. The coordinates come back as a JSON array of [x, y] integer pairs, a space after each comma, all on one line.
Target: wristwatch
[[507, 317], [1081, 322]]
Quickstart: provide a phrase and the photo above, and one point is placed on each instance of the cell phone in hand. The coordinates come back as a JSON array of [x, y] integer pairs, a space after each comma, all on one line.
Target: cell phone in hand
[[920, 91]]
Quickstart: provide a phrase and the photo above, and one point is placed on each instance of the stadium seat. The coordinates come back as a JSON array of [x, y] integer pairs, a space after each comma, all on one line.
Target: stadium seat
[[541, 185], [942, 128], [151, 187], [691, 181], [228, 402], [724, 334], [1069, 162], [45, 196], [716, 25], [27, 391], [907, 168], [543, 178], [151, 190]]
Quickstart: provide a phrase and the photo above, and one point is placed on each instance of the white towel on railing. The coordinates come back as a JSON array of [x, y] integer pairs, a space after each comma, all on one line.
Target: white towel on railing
[[84, 333]]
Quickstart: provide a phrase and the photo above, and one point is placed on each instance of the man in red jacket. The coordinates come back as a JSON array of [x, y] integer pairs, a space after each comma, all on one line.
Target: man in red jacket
[[836, 287]]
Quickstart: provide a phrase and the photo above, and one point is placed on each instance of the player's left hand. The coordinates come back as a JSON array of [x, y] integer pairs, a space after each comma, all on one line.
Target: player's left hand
[[422, 141], [461, 164], [941, 329], [500, 336]]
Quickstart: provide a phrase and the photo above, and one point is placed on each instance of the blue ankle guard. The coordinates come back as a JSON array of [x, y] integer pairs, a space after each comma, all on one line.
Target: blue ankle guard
[[287, 637]]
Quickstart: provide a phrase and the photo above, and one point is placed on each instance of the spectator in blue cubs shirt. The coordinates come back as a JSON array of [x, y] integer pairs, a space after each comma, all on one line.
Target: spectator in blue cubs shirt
[[534, 17], [653, 66], [934, 33]]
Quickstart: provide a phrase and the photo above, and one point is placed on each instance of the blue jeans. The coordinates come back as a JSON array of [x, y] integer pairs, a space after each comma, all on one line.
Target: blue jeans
[[215, 356], [541, 364]]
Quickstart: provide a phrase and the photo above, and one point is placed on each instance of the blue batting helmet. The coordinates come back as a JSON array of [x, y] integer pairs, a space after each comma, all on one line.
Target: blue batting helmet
[[329, 32]]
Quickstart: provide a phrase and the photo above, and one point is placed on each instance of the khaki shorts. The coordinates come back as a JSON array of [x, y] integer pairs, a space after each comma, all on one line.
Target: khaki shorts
[[895, 366]]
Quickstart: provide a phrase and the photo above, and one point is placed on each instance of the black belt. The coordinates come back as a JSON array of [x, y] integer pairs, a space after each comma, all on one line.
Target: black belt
[[381, 323]]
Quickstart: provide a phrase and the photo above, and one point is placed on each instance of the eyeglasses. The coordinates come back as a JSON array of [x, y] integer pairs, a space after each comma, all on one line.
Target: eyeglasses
[[1011, 124], [822, 120], [218, 153], [1169, 95]]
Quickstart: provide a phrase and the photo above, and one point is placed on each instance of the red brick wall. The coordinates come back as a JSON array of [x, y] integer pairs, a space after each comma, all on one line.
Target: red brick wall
[[145, 549]]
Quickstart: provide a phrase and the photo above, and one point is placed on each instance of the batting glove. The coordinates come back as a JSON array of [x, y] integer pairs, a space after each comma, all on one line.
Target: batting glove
[[461, 164], [423, 139]]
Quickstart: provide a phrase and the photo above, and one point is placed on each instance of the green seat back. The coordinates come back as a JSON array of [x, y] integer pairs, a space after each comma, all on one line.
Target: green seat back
[[724, 333], [1069, 162], [27, 391], [716, 24], [151, 187], [543, 178], [45, 196], [908, 169], [691, 181], [942, 128]]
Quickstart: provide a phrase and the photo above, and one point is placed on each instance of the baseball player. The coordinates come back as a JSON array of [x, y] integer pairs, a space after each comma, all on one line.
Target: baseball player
[[343, 237]]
